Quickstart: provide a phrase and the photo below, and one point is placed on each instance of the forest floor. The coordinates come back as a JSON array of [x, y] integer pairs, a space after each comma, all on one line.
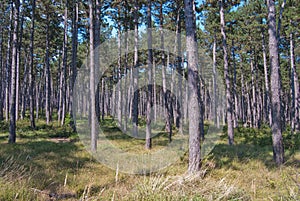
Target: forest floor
[[51, 163]]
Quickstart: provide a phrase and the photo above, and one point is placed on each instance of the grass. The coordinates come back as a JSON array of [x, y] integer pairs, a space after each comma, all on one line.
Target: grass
[[51, 163]]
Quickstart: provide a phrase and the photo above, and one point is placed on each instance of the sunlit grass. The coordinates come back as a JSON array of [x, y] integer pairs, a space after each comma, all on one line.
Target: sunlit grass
[[40, 165]]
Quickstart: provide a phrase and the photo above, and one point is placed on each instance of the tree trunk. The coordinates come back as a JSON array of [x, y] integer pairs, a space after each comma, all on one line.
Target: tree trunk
[[215, 101], [74, 62], [63, 73], [167, 111], [226, 77], [278, 149], [12, 125], [8, 65], [93, 116], [150, 79], [294, 87], [267, 115], [47, 74], [1, 73], [135, 73], [193, 83]]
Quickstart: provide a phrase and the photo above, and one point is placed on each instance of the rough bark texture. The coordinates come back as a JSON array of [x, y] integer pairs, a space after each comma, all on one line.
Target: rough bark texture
[[150, 79], [135, 75], [93, 116], [193, 86], [226, 77], [12, 125], [31, 76], [278, 149]]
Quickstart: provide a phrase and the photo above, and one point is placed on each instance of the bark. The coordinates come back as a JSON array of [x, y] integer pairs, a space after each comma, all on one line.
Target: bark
[[1, 73], [150, 78], [167, 111], [18, 66], [294, 88], [254, 103], [135, 73], [215, 101], [267, 115], [47, 74], [235, 114], [193, 86], [119, 85], [226, 77], [74, 62], [12, 125], [63, 73], [278, 150], [8, 65], [93, 116]]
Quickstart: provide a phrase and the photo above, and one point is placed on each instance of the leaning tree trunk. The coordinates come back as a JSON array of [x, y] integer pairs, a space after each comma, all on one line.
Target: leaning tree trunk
[[193, 83], [12, 125], [278, 150], [227, 78]]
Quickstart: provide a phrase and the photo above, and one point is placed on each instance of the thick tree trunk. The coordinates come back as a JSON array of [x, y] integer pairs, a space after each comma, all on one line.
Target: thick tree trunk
[[278, 149], [12, 125], [227, 78], [194, 96]]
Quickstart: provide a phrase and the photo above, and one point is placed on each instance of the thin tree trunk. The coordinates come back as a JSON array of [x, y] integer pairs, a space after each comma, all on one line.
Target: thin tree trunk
[[267, 115], [74, 62], [226, 77], [294, 87], [135, 73], [1, 74], [167, 111], [47, 74], [63, 73], [8, 65], [150, 78], [12, 125], [93, 116], [18, 66], [215, 101], [278, 150]]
